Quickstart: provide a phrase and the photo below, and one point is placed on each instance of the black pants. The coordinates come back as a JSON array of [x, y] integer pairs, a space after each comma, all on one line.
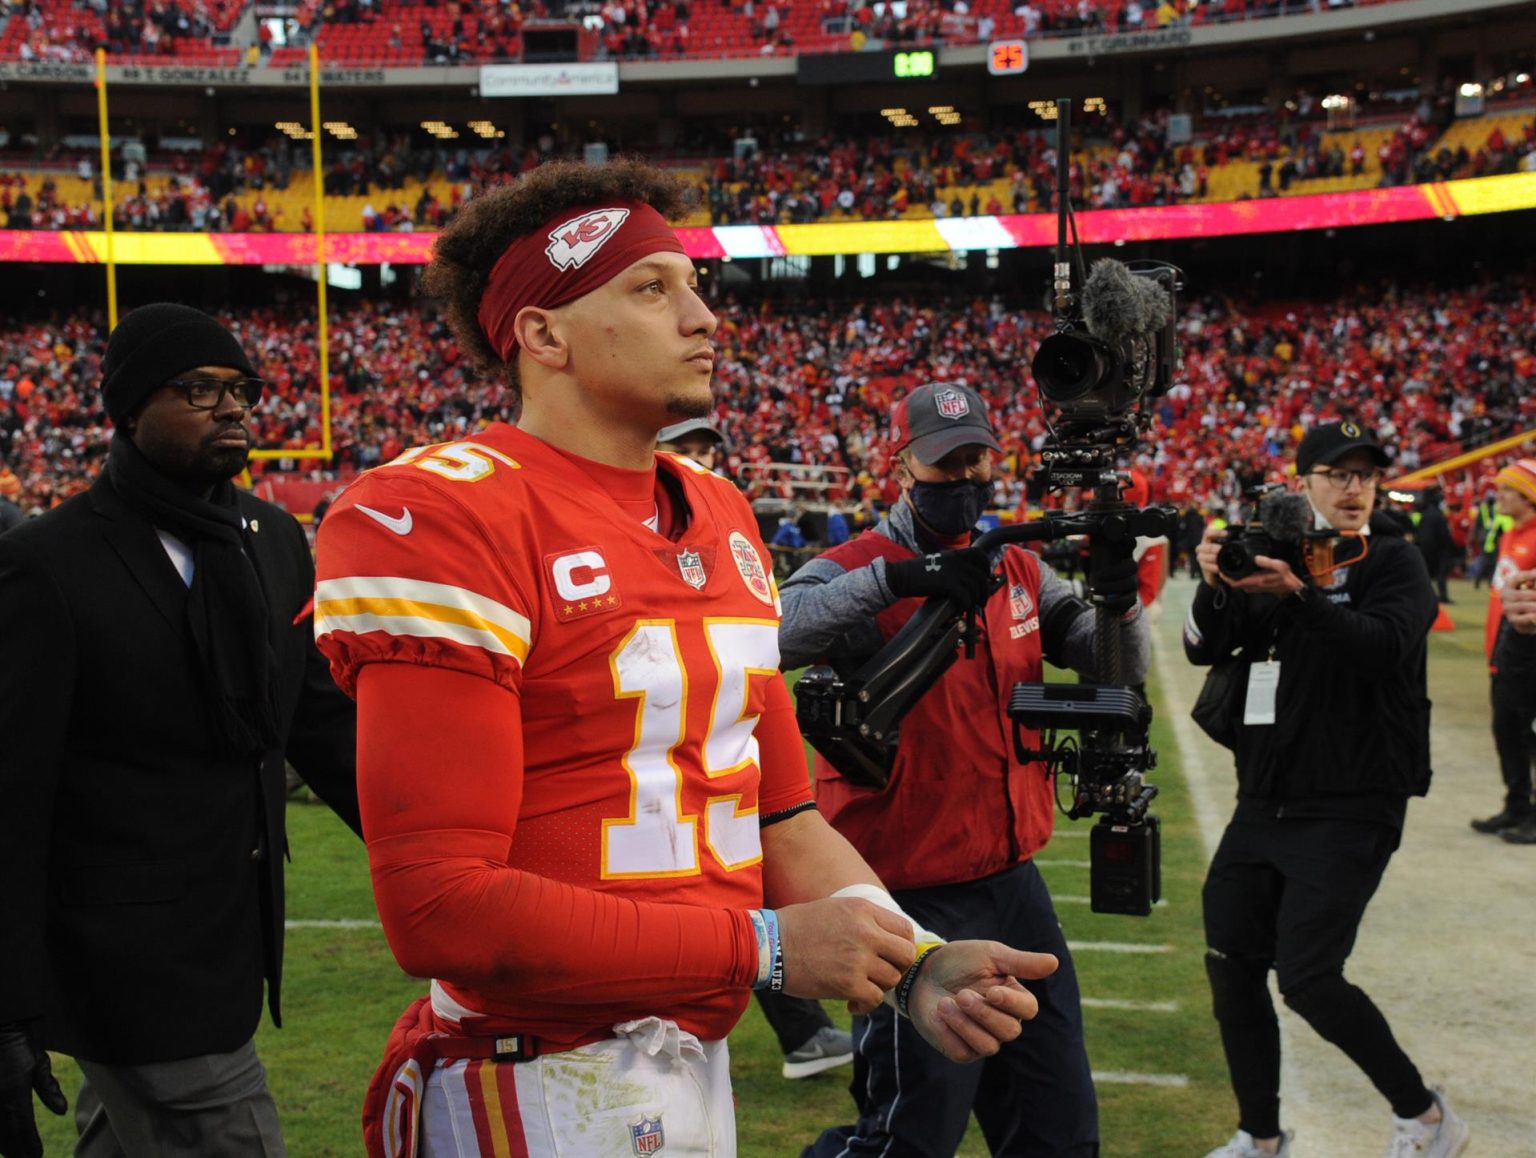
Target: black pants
[[1289, 894], [1034, 1098], [794, 1020], [1514, 710]]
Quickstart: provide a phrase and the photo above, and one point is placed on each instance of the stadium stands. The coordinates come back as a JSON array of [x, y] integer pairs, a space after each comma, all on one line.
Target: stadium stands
[[896, 176], [1439, 370], [383, 32]]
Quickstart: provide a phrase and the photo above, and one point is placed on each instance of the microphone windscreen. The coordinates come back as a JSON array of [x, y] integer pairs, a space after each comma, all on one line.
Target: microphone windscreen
[[1286, 516], [1157, 306], [1113, 305]]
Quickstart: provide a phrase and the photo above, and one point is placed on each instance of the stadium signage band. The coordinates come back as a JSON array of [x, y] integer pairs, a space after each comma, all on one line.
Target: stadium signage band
[[948, 234], [1131, 42], [524, 80], [170, 75]]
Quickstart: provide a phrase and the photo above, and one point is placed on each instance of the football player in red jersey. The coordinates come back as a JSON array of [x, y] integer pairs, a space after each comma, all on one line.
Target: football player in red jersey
[[588, 815]]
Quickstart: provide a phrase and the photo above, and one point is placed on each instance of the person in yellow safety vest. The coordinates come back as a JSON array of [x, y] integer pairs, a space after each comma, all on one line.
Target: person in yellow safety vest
[[1488, 528]]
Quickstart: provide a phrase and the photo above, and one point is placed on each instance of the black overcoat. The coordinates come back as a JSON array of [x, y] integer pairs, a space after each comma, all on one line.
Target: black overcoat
[[141, 872]]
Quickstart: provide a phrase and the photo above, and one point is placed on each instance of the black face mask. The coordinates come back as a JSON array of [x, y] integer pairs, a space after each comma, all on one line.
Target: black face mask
[[950, 509]]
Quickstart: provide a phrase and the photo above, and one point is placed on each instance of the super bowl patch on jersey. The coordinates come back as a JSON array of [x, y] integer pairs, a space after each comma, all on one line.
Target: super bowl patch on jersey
[[750, 565]]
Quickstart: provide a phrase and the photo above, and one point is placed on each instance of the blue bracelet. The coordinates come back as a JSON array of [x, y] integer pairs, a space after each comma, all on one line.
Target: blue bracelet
[[770, 950]]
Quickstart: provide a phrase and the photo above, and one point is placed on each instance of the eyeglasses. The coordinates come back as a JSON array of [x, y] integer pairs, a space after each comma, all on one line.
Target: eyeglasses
[[1342, 478], [208, 393]]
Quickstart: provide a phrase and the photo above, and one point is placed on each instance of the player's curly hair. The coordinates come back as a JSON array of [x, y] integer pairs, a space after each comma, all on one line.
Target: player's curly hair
[[474, 241]]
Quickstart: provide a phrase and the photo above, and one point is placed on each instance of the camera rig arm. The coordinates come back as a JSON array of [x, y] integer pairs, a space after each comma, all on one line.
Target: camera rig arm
[[852, 720]]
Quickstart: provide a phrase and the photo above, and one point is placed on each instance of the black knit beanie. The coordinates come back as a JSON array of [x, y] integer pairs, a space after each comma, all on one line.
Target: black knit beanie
[[155, 343]]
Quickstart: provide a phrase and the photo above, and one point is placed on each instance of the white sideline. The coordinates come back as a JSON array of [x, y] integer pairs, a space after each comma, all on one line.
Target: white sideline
[[1062, 863]]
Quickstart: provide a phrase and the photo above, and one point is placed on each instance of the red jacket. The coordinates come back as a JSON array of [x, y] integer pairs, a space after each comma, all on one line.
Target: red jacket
[[959, 806]]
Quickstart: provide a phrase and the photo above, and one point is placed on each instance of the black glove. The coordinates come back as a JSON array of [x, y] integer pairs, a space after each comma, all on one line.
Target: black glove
[[1114, 585], [964, 575], [24, 1067]]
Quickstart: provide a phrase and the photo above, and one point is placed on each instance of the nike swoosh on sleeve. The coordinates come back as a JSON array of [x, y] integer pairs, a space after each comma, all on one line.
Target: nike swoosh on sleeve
[[400, 524]]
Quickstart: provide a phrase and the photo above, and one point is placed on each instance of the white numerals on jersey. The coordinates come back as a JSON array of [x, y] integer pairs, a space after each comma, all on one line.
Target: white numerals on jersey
[[459, 461], [656, 838]]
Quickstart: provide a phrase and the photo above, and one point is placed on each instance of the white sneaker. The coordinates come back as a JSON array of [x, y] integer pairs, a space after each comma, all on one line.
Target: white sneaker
[[1242, 1146], [1446, 1138]]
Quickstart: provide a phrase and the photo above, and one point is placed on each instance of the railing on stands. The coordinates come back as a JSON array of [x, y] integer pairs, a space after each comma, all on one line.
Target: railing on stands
[[792, 483]]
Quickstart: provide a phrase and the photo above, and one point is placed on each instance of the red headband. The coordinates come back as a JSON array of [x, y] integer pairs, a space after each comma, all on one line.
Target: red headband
[[570, 256]]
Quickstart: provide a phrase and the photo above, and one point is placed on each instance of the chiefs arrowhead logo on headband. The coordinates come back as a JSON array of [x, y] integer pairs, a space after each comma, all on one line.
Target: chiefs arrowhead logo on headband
[[565, 258], [574, 243]]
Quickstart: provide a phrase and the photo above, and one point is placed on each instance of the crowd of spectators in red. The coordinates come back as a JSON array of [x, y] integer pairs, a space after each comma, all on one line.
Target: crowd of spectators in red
[[483, 30], [788, 179], [1435, 370], [72, 32]]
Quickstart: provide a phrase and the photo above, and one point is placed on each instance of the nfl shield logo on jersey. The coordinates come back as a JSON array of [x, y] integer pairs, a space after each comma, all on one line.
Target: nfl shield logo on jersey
[[951, 404], [1019, 601], [645, 1136], [751, 567], [691, 564]]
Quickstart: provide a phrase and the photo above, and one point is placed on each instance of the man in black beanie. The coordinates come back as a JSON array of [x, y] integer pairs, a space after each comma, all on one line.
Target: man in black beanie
[[157, 667]]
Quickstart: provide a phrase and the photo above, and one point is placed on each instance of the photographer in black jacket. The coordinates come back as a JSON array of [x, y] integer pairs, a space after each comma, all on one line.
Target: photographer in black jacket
[[1331, 738]]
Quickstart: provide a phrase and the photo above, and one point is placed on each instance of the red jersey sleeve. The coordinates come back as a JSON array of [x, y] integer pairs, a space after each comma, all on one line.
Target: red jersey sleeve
[[439, 832], [406, 574]]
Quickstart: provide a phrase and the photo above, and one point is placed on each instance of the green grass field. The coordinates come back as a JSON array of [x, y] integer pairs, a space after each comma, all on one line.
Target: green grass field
[[342, 993]]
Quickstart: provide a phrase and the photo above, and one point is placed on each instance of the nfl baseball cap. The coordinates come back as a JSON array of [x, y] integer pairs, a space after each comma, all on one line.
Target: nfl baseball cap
[[937, 417], [1326, 444], [688, 426]]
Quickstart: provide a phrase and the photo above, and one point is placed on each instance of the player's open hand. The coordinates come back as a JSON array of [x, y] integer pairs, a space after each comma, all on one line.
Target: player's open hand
[[844, 947], [967, 1000]]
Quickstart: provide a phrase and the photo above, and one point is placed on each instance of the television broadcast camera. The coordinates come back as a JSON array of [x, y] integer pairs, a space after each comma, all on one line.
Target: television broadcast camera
[[1114, 349]]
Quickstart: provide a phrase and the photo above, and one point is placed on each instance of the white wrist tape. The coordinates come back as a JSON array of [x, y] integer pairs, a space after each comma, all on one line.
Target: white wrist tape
[[925, 940], [875, 895]]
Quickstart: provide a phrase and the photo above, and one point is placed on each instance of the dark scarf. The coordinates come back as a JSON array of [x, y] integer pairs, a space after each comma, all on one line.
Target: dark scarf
[[226, 607]]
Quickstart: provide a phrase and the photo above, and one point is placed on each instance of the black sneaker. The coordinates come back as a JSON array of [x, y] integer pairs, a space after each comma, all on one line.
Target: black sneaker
[[1524, 833], [1503, 821]]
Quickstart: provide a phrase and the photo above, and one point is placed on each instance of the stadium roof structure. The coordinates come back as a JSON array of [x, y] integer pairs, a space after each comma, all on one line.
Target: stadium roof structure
[[1447, 200]]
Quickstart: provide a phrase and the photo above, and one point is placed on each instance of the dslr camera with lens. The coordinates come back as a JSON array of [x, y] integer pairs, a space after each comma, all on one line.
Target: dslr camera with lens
[[1279, 527]]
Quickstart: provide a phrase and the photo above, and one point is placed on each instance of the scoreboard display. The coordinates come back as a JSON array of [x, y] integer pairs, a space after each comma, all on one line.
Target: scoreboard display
[[866, 67]]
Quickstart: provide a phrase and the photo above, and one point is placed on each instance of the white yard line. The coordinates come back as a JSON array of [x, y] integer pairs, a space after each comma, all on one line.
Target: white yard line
[[339, 923], [1133, 1006], [1116, 947], [1076, 899], [1125, 1078]]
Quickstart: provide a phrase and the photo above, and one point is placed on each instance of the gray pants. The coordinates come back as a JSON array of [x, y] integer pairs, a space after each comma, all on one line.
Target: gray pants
[[217, 1104]]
